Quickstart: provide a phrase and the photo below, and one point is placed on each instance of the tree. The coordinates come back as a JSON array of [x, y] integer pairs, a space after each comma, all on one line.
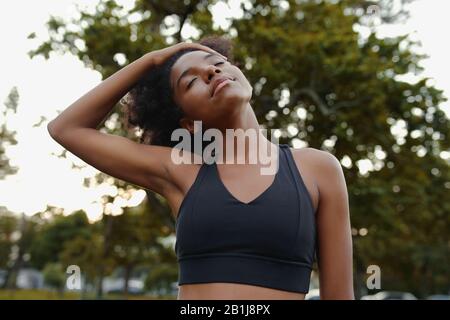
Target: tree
[[323, 84], [55, 277], [53, 236], [7, 136], [85, 252], [8, 225], [161, 278], [16, 237], [136, 240]]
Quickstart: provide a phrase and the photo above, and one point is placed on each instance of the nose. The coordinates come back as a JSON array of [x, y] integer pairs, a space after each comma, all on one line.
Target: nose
[[211, 71]]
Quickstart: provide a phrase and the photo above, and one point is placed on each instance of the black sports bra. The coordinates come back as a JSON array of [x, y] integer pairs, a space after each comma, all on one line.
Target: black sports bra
[[267, 242]]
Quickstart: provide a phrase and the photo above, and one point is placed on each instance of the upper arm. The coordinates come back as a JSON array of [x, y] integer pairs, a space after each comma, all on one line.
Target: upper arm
[[139, 164], [334, 231]]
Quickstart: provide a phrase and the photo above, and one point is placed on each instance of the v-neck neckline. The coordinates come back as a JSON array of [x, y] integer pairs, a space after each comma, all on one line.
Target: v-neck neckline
[[272, 184]]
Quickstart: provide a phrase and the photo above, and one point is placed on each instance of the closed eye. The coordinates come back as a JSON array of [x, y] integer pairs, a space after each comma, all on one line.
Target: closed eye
[[190, 83]]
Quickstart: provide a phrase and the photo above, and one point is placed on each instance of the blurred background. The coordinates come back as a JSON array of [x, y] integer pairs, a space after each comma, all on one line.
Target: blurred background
[[367, 81]]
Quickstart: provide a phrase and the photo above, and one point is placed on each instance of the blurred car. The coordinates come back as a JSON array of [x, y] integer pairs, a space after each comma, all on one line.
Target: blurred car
[[111, 285], [439, 297], [390, 295], [2, 277], [313, 294]]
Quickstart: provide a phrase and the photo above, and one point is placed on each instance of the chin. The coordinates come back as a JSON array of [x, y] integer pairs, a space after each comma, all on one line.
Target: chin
[[228, 105], [232, 99]]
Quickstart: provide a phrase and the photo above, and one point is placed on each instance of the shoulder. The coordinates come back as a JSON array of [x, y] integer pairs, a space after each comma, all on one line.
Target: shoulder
[[323, 165], [320, 158]]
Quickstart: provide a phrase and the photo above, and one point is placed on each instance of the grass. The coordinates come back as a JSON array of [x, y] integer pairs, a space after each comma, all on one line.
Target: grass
[[34, 294], [40, 294]]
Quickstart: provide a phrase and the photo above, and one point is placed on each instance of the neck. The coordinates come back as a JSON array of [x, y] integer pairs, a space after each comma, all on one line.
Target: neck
[[243, 141]]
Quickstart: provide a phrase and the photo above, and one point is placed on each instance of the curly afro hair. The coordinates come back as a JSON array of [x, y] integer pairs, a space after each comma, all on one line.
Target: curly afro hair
[[149, 105]]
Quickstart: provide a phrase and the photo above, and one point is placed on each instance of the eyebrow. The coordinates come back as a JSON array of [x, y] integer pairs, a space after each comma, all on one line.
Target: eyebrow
[[185, 72]]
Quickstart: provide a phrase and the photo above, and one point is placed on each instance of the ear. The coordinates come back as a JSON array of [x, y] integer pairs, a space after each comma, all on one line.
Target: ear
[[187, 124]]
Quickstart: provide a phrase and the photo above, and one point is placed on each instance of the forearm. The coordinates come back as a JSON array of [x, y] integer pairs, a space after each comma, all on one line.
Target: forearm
[[91, 109]]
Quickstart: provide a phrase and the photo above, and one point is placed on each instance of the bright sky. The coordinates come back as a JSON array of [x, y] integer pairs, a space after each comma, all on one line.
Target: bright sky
[[48, 86]]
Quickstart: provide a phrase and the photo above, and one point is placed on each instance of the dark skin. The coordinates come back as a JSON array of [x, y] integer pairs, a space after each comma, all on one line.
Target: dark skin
[[193, 92], [152, 168], [320, 171]]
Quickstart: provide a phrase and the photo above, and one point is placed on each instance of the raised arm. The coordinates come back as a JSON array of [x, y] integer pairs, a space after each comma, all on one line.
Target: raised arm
[[76, 128], [335, 252]]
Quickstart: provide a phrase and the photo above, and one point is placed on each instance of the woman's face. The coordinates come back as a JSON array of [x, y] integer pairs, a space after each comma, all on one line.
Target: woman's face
[[193, 80]]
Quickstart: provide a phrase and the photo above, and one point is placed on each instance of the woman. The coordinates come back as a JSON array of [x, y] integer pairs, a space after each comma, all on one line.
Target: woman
[[240, 234]]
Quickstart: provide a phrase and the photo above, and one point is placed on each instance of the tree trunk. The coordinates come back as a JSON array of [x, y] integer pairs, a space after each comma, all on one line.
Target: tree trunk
[[128, 270], [106, 245]]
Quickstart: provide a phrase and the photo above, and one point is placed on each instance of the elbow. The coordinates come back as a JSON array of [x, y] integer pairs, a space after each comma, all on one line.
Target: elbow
[[53, 130]]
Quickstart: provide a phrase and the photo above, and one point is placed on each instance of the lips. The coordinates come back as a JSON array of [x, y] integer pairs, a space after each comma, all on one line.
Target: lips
[[217, 82]]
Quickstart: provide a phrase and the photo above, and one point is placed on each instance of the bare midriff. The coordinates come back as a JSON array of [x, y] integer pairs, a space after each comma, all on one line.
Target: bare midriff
[[234, 291]]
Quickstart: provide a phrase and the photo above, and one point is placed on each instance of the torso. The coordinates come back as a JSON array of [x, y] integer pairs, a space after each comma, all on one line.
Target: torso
[[240, 181], [233, 291]]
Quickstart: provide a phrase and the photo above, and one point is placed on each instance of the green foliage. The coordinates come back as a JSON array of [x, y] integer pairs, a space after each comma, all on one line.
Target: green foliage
[[161, 278], [8, 224], [7, 136], [135, 239], [52, 237], [84, 251], [54, 276]]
